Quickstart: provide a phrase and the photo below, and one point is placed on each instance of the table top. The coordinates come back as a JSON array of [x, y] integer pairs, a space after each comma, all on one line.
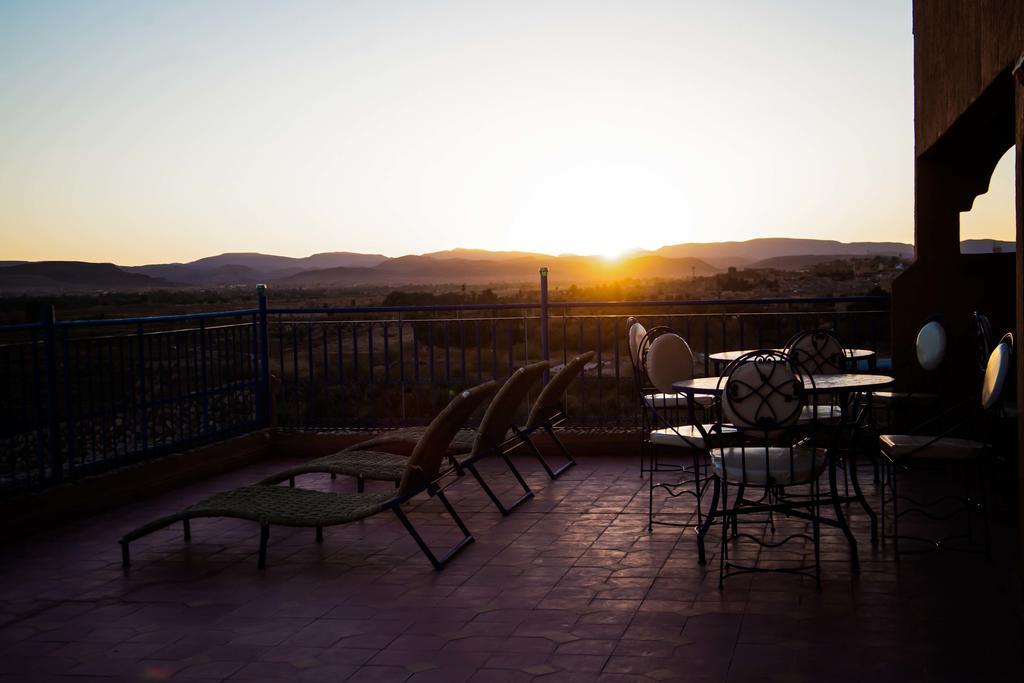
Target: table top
[[817, 384], [729, 356]]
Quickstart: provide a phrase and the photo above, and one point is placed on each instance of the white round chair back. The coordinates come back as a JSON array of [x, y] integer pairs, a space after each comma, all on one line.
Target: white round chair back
[[996, 371], [668, 359], [762, 395], [818, 352], [930, 345], [636, 334]]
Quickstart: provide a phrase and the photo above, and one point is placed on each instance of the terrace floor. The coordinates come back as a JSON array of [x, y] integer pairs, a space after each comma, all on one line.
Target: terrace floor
[[571, 587]]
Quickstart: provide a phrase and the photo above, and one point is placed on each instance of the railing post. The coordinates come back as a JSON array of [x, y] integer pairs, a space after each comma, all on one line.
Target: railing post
[[144, 419], [263, 379], [545, 350], [49, 319]]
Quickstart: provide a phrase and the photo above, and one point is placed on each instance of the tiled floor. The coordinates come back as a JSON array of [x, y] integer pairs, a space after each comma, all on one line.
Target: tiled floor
[[571, 587]]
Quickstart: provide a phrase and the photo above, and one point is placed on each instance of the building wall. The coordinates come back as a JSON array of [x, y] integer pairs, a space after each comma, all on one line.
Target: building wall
[[965, 120], [960, 46], [968, 110]]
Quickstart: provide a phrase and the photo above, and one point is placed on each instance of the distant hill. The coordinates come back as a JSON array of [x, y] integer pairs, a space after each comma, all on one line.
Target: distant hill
[[453, 266], [986, 246], [742, 254], [796, 262], [250, 268], [270, 262], [481, 254], [565, 270], [74, 276]]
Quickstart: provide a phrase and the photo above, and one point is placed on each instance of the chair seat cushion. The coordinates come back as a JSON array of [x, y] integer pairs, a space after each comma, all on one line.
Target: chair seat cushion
[[686, 436], [661, 400], [899, 446], [824, 413], [747, 465], [889, 398]]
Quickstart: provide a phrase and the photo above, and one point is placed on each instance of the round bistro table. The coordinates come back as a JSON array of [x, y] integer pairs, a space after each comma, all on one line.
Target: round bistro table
[[852, 386]]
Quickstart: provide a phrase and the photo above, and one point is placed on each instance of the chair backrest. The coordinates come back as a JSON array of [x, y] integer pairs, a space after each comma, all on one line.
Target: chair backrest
[[425, 460], [667, 359], [762, 394], [817, 352], [930, 345], [982, 339], [497, 420], [635, 332], [549, 402], [996, 371]]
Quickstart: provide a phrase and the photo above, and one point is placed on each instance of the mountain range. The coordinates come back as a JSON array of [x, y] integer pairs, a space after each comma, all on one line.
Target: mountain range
[[455, 266]]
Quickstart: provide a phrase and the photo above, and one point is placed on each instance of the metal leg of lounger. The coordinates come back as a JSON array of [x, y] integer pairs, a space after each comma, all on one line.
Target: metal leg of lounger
[[569, 461], [319, 534], [125, 555], [438, 564], [187, 528], [502, 508], [264, 535], [360, 483], [524, 437]]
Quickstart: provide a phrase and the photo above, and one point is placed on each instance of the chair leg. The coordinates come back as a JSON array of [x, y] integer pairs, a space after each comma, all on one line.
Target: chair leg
[[708, 519], [894, 492], [816, 528], [724, 548], [569, 460], [437, 563], [187, 529], [505, 510], [360, 484], [319, 534], [650, 503], [264, 535], [983, 495]]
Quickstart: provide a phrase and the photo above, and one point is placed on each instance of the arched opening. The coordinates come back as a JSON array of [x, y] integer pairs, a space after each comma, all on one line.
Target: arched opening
[[990, 225]]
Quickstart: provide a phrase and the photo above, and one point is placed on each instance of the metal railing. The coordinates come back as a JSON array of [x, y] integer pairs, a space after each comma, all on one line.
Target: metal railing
[[82, 396]]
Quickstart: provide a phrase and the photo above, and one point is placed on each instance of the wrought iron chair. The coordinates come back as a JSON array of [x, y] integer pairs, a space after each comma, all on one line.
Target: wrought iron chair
[[818, 352], [763, 398], [666, 358], [670, 404], [982, 339], [904, 453], [293, 507], [930, 354], [549, 412]]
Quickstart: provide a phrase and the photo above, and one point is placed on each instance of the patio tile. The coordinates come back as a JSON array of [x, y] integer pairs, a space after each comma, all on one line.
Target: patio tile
[[571, 587]]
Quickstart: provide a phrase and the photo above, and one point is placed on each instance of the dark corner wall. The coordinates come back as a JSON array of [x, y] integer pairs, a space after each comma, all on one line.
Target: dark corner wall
[[965, 120], [969, 109]]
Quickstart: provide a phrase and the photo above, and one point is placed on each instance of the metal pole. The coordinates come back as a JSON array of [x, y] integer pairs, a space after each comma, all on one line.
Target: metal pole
[[48, 318], [264, 351], [545, 350]]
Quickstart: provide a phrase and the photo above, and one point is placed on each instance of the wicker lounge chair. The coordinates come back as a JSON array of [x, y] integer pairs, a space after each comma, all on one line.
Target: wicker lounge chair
[[495, 437], [491, 438], [303, 508], [549, 411]]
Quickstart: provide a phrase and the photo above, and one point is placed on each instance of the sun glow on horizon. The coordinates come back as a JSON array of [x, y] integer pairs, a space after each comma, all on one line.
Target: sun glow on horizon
[[157, 132]]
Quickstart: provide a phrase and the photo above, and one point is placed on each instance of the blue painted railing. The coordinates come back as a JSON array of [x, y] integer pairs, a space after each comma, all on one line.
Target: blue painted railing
[[81, 396]]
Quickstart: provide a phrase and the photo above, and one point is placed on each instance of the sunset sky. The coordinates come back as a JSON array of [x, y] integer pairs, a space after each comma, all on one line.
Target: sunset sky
[[142, 132]]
